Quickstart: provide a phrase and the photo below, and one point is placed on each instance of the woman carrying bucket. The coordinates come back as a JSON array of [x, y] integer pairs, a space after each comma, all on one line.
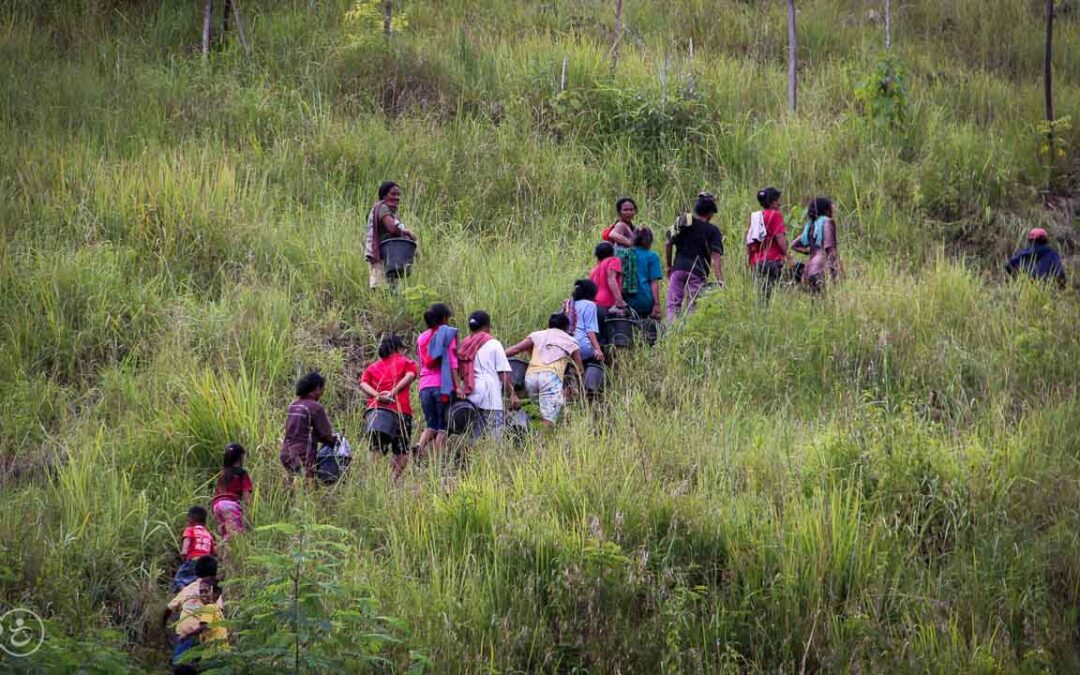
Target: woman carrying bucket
[[383, 224], [386, 383]]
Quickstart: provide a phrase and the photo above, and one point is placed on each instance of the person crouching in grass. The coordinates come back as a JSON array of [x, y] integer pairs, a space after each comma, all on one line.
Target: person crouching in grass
[[306, 425], [386, 383], [552, 350], [195, 542]]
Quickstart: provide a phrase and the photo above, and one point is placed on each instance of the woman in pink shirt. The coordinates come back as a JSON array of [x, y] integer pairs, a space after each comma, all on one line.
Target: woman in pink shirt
[[437, 351]]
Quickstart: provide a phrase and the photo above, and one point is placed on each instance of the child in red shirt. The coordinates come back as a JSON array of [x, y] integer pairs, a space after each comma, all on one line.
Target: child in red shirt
[[195, 542], [386, 383], [232, 490]]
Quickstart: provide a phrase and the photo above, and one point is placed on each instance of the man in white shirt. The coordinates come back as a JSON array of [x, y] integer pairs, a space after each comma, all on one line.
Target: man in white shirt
[[485, 375]]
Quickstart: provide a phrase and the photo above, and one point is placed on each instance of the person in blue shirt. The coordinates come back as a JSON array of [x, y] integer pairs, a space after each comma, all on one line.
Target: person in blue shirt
[[1039, 260], [584, 321], [646, 301]]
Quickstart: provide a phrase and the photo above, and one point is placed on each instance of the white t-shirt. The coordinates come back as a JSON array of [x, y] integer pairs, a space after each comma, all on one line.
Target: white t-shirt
[[489, 362]]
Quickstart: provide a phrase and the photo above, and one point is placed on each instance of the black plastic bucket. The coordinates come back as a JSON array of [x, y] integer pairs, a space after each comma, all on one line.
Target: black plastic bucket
[[595, 376], [461, 418], [329, 466], [619, 331], [517, 374], [382, 425], [649, 330], [397, 255]]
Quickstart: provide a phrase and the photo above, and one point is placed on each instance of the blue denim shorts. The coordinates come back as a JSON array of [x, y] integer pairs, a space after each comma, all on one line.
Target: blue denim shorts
[[434, 409]]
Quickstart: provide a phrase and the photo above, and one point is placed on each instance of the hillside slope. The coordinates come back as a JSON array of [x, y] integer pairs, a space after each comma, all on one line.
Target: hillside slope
[[881, 480]]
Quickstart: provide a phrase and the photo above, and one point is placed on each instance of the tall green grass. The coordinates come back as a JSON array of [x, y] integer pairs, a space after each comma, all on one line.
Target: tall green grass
[[883, 479]]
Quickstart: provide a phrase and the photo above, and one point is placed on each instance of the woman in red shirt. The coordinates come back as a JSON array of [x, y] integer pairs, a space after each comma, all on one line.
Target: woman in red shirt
[[386, 383], [608, 277], [768, 256], [232, 490]]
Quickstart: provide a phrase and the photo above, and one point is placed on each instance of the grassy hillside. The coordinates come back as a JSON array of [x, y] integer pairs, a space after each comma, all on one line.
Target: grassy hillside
[[885, 480]]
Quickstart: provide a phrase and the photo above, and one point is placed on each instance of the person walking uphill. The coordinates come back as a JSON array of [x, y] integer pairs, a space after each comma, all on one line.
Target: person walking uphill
[[766, 241], [233, 488], [1039, 260], [819, 240], [580, 308], [437, 349], [646, 299], [552, 350], [485, 375], [306, 425], [386, 383], [699, 247], [382, 224]]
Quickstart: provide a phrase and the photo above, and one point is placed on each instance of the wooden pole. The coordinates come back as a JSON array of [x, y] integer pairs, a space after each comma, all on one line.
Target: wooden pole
[[888, 25], [208, 13], [1048, 89], [388, 14], [240, 26], [793, 58], [616, 38]]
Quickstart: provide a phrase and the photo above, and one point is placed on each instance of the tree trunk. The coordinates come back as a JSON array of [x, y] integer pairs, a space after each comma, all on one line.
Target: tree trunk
[[1048, 85], [793, 58], [388, 13], [239, 26], [616, 37], [888, 25], [208, 14]]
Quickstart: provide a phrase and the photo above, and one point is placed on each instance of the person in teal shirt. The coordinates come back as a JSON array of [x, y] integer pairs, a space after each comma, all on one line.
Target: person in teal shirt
[[646, 301]]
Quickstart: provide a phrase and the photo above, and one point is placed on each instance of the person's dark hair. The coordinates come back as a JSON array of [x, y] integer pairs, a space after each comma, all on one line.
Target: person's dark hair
[[385, 187], [479, 320], [234, 453], [622, 200], [767, 196], [818, 206], [390, 344], [437, 315], [206, 566], [705, 204], [197, 514], [643, 238], [584, 289], [604, 250], [560, 321], [309, 383]]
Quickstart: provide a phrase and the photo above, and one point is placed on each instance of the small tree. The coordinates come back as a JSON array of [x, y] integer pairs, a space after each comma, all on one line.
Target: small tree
[[793, 57], [294, 615]]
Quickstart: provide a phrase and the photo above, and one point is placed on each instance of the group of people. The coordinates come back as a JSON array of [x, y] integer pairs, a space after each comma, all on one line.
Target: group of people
[[197, 604], [628, 273], [476, 367]]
